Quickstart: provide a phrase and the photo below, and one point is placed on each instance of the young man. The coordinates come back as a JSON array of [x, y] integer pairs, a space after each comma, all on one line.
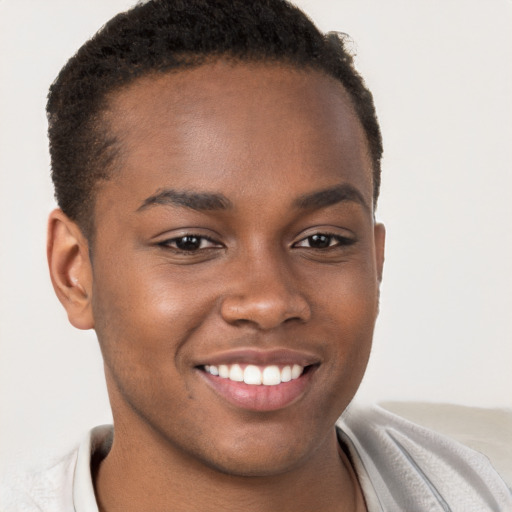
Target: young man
[[217, 167]]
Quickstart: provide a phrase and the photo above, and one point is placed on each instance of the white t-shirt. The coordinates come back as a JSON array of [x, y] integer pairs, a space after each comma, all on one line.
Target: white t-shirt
[[401, 467]]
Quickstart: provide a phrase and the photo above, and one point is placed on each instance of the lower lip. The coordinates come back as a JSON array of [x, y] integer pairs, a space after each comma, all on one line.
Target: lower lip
[[260, 398]]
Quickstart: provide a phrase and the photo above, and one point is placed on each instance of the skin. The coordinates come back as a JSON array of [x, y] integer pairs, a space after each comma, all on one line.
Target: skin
[[265, 137]]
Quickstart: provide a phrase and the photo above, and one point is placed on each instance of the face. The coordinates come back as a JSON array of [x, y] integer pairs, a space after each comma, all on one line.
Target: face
[[236, 237]]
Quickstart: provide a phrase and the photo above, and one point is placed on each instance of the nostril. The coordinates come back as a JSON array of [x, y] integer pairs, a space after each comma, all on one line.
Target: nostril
[[266, 309]]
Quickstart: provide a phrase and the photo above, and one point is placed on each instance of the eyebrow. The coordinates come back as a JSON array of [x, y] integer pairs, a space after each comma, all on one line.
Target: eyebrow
[[202, 201], [331, 196]]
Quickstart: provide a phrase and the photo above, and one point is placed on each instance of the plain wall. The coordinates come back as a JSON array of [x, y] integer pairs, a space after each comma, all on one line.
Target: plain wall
[[442, 80]]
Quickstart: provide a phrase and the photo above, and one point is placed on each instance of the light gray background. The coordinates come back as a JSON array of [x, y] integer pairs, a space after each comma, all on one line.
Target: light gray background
[[442, 79]]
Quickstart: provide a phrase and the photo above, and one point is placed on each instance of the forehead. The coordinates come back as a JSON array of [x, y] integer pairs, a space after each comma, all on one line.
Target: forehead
[[203, 123]]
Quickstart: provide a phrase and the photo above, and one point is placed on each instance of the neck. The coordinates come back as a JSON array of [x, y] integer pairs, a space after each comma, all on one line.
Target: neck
[[142, 472]]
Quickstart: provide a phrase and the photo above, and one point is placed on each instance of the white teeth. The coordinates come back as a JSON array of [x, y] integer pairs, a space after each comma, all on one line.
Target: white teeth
[[236, 373], [254, 375], [297, 371], [271, 376], [286, 374]]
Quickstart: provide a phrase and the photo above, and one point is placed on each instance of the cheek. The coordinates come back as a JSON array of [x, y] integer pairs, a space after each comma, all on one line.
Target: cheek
[[141, 326], [141, 317], [350, 296], [349, 310], [137, 296]]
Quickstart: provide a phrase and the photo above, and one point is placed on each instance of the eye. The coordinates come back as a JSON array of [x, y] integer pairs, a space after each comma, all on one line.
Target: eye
[[190, 243], [323, 241]]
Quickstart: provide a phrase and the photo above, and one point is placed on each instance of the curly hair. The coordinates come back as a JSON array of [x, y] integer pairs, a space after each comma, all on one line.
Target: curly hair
[[164, 35]]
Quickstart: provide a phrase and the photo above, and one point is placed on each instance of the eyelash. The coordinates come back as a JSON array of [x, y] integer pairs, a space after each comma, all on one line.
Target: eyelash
[[167, 244], [341, 241], [172, 243]]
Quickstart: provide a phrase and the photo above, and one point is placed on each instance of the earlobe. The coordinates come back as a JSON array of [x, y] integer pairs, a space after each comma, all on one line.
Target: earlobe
[[380, 242], [70, 269]]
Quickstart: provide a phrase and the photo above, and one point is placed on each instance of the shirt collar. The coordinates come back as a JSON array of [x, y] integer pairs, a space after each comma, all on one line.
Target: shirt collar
[[99, 440], [97, 443]]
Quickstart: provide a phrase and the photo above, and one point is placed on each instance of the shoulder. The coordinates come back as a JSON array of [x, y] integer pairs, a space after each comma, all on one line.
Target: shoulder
[[409, 467], [48, 489], [62, 486]]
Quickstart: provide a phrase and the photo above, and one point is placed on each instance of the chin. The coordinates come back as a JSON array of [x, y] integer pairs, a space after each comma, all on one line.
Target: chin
[[259, 452], [255, 464]]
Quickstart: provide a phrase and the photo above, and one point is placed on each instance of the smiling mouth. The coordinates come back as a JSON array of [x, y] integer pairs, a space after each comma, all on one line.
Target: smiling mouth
[[270, 375], [258, 380]]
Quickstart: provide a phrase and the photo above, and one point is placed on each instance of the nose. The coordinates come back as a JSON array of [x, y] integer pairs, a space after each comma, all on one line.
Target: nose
[[265, 295]]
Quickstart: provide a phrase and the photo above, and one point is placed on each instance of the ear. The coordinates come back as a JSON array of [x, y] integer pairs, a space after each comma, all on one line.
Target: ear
[[379, 236], [70, 269]]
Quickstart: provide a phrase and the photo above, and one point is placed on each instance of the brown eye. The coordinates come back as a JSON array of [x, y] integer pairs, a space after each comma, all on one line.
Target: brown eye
[[188, 243], [320, 241], [324, 241]]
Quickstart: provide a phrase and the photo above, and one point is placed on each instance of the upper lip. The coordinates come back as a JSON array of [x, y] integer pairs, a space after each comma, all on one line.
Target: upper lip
[[279, 356]]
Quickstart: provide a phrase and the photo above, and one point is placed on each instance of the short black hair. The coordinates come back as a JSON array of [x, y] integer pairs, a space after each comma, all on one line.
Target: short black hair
[[163, 35]]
